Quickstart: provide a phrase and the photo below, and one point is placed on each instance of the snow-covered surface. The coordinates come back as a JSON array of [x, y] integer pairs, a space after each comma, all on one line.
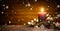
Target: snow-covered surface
[[23, 28]]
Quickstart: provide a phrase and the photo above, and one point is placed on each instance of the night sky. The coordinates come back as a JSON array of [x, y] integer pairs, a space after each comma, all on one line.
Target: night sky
[[22, 11]]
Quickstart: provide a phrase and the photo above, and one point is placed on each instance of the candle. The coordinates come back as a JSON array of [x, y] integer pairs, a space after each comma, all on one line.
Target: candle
[[42, 15]]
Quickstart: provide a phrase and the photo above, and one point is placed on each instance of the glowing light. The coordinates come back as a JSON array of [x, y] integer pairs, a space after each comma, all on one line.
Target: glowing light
[[32, 21], [48, 6], [48, 21], [36, 26], [29, 23], [35, 0], [28, 4], [58, 15], [57, 24], [6, 7], [37, 20], [50, 18], [45, 30], [58, 6], [47, 15], [24, 24], [2, 12], [9, 22], [30, 8], [42, 12], [42, 9], [5, 24], [22, 2], [53, 22]]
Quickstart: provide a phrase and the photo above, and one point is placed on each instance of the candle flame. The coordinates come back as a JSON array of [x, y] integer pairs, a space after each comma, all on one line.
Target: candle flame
[[42, 9]]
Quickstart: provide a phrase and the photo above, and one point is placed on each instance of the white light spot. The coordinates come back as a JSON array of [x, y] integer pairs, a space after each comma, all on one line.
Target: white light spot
[[5, 24], [35, 0], [58, 6], [24, 24], [36, 26], [53, 22], [6, 7], [37, 20], [30, 8], [48, 6], [51, 18], [47, 15], [2, 12], [48, 18], [22, 2], [45, 30], [57, 24], [29, 23], [28, 4], [34, 19], [9, 22], [48, 21], [58, 15]]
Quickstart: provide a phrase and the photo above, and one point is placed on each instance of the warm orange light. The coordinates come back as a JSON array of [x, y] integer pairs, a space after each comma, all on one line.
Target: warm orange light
[[42, 10]]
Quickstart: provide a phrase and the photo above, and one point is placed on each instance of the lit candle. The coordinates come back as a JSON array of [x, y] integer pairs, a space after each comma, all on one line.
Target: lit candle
[[42, 15]]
